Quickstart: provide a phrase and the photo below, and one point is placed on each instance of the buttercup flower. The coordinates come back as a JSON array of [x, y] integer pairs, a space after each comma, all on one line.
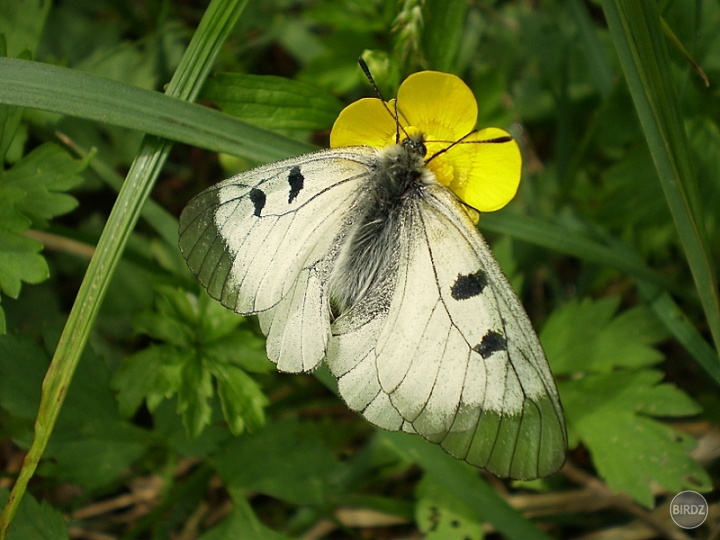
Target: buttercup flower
[[482, 168]]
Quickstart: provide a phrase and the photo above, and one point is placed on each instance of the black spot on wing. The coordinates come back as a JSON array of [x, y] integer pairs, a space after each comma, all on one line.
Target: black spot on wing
[[492, 342], [258, 198], [296, 181], [469, 285]]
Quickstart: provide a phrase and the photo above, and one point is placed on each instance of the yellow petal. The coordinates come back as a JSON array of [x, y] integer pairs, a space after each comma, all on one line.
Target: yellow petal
[[486, 169], [364, 122], [439, 104]]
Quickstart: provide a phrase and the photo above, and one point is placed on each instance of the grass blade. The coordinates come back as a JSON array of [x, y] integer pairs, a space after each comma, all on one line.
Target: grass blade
[[637, 33], [24, 83]]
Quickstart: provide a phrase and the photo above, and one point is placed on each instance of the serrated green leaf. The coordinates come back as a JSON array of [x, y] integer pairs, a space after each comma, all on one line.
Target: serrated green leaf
[[152, 374], [19, 258], [163, 327], [584, 336], [240, 348], [202, 342], [35, 520], [276, 461], [43, 176], [71, 449], [242, 523], [241, 398], [611, 414], [193, 394], [273, 102], [216, 321], [441, 515], [89, 424], [170, 432]]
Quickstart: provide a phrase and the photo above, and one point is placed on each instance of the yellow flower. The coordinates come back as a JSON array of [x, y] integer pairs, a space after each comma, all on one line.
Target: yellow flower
[[481, 167]]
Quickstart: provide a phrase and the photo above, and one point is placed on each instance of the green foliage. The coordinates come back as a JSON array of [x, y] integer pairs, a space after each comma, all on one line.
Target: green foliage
[[263, 464], [36, 521], [32, 192], [89, 425], [586, 336], [242, 523], [614, 402], [616, 416], [440, 514], [606, 244], [201, 341]]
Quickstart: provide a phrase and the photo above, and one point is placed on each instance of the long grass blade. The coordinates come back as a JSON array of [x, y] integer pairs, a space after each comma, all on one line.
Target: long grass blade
[[637, 33]]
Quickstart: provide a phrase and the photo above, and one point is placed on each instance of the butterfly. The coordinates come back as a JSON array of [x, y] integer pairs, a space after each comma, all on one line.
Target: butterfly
[[367, 256]]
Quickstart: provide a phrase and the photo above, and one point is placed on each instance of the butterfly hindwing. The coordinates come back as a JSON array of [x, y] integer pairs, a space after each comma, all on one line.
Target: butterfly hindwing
[[262, 241], [452, 355]]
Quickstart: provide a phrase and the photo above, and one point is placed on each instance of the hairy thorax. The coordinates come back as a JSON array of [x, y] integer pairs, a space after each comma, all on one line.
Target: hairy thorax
[[395, 187]]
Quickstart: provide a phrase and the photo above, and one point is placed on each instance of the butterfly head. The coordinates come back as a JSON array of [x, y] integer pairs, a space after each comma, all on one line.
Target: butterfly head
[[415, 144]]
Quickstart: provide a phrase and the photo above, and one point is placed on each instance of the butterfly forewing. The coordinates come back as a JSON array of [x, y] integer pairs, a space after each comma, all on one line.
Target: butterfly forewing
[[520, 431], [260, 242]]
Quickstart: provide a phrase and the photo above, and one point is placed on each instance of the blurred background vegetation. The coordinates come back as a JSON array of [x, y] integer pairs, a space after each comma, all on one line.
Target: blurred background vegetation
[[175, 424]]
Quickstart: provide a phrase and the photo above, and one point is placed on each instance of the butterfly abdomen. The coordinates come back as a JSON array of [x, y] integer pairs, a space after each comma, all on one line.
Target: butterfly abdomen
[[369, 254]]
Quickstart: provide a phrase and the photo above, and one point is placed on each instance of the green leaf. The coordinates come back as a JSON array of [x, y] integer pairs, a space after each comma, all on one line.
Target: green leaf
[[202, 342], [630, 188], [76, 93], [152, 374], [241, 348], [35, 520], [193, 394], [169, 432], [89, 425], [31, 192], [242, 400], [441, 515], [465, 484], [19, 258], [262, 462], [273, 102], [612, 415], [242, 523], [585, 336], [43, 176]]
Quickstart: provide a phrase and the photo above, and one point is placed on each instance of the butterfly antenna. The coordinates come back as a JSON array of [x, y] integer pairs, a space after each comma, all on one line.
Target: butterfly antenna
[[394, 114], [366, 71], [461, 140]]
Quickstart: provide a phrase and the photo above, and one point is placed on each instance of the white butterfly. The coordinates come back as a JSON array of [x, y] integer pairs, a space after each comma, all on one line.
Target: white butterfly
[[359, 257]]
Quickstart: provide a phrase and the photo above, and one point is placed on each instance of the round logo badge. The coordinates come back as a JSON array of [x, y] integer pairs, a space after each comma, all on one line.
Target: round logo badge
[[688, 509]]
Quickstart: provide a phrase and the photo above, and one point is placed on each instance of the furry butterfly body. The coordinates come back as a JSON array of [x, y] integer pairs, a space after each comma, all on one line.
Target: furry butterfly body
[[359, 257]]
